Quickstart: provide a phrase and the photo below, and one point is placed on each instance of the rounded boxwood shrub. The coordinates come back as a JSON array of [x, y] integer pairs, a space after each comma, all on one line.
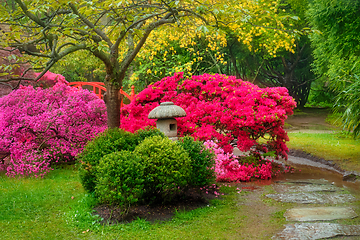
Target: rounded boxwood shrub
[[109, 141], [119, 179], [167, 167], [202, 161]]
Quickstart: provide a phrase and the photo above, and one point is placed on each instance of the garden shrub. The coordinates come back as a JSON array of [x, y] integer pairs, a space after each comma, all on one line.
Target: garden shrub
[[112, 140], [109, 141], [42, 127], [218, 107], [167, 168], [148, 131], [119, 179], [229, 169], [202, 161]]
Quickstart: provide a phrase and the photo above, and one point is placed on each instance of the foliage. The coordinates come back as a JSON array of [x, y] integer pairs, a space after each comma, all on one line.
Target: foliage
[[12, 65], [42, 127], [259, 27], [116, 32], [109, 141], [321, 95], [349, 99], [228, 168], [120, 179], [81, 66], [141, 134], [202, 162], [167, 168], [337, 52], [218, 107]]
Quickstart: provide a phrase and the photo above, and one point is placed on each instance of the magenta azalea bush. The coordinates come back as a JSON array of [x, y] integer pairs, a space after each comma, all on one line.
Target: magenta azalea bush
[[228, 169], [218, 107], [40, 127]]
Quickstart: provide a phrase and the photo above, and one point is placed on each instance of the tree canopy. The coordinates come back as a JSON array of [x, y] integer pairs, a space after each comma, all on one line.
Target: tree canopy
[[116, 32]]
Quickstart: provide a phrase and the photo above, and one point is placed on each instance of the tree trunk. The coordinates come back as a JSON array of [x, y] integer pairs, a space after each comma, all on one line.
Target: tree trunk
[[112, 100]]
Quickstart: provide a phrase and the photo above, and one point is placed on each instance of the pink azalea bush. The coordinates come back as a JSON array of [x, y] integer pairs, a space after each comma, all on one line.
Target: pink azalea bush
[[218, 107], [228, 169], [40, 127]]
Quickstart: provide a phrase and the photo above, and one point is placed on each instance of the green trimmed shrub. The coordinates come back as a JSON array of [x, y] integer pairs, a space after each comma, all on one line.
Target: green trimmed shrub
[[111, 140], [202, 161], [119, 179], [167, 168]]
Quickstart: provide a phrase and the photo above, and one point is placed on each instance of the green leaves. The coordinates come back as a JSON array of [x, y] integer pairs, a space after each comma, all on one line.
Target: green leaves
[[119, 179], [336, 52], [167, 167], [202, 29]]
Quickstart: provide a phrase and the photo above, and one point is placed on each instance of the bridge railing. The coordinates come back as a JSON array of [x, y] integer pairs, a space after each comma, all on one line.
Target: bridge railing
[[99, 89]]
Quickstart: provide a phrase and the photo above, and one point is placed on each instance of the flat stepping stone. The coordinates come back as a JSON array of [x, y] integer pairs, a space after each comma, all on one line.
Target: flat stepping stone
[[312, 198], [310, 231], [305, 188], [319, 214]]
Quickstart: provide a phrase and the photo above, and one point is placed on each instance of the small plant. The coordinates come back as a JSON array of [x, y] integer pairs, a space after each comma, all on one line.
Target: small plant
[[167, 168], [202, 162], [119, 179]]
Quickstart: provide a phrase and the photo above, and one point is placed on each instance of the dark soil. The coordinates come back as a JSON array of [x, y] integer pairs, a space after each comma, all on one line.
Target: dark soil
[[189, 200]]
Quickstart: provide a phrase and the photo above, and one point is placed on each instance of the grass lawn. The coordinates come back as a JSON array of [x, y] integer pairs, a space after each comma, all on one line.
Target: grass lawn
[[57, 207], [339, 148]]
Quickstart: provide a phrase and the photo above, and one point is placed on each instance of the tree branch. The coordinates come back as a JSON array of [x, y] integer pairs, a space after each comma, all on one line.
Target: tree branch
[[29, 14], [131, 54], [92, 26]]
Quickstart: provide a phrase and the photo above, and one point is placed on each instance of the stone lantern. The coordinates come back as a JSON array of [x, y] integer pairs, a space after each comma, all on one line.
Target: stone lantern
[[165, 115]]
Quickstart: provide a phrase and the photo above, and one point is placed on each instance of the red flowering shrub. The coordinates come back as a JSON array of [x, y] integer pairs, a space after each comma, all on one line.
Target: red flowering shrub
[[40, 127], [218, 107]]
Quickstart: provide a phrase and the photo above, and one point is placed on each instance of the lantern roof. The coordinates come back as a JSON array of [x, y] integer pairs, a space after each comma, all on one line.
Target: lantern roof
[[167, 110]]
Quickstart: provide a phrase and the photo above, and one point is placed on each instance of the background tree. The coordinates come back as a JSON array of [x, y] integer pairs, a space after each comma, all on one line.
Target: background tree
[[290, 69], [337, 53], [116, 31]]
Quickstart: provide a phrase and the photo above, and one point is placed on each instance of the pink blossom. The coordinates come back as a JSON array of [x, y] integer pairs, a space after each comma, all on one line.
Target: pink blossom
[[218, 107], [40, 127]]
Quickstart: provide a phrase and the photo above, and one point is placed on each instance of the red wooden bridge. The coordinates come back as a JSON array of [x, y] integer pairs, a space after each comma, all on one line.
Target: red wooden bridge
[[99, 89]]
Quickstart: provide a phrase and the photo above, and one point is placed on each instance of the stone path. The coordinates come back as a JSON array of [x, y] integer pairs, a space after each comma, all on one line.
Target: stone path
[[319, 201]]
